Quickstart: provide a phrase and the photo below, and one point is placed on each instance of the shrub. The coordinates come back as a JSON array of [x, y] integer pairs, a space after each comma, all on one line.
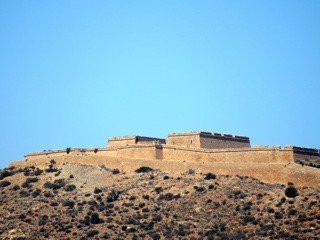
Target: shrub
[[48, 194], [165, 177], [247, 206], [278, 215], [24, 193], [143, 169], [115, 171], [31, 180], [52, 161], [291, 191], [167, 196], [113, 196], [38, 172], [59, 183], [68, 203], [16, 188], [97, 190], [92, 233], [199, 189], [292, 212], [158, 190], [95, 219], [36, 193], [191, 171], [4, 183], [95, 150], [68, 150], [5, 174], [248, 219], [71, 176], [157, 218], [70, 188], [209, 176]]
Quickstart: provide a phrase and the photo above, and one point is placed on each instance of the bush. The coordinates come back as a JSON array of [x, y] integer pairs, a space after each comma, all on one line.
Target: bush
[[38, 172], [4, 183], [158, 190], [291, 191], [248, 219], [68, 203], [97, 190], [70, 188], [95, 150], [199, 189], [95, 219], [143, 169], [59, 183], [36, 193], [32, 180], [16, 188], [24, 193], [165, 177], [115, 171], [5, 174], [92, 233], [209, 176], [113, 196], [52, 161], [68, 150]]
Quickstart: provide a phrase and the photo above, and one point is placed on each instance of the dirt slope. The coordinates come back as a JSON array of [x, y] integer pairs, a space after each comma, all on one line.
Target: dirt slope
[[74, 201]]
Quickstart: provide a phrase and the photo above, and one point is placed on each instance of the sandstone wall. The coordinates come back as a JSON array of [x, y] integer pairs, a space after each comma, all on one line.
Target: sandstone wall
[[121, 141], [218, 143], [236, 155], [207, 140], [189, 141]]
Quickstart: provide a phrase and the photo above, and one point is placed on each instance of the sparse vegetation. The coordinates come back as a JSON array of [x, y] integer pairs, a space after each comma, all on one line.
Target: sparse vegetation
[[68, 150], [209, 176], [4, 183], [143, 169], [134, 207], [291, 191], [70, 187]]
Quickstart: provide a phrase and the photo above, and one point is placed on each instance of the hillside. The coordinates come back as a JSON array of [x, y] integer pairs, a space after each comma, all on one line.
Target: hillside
[[76, 201]]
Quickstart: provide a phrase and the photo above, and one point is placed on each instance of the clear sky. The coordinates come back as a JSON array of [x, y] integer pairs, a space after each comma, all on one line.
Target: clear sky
[[73, 73]]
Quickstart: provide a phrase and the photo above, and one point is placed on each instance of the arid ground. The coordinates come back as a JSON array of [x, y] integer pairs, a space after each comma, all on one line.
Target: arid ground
[[75, 201]]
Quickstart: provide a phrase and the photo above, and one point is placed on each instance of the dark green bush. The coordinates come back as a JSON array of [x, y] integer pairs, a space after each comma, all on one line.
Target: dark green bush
[[143, 169], [4, 183], [209, 176]]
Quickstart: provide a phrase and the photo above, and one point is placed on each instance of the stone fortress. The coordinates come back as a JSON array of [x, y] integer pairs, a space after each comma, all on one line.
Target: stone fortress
[[225, 153]]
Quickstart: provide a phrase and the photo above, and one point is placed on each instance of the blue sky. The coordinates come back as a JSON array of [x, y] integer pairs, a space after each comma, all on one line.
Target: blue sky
[[73, 73]]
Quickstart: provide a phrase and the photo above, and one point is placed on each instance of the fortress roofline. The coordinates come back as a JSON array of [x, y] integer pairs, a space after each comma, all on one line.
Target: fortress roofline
[[209, 134]]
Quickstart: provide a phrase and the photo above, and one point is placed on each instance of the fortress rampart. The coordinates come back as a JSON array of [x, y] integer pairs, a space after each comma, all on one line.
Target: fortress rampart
[[259, 154], [221, 153]]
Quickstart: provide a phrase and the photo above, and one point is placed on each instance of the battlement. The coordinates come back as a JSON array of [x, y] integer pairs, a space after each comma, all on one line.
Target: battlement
[[224, 136]]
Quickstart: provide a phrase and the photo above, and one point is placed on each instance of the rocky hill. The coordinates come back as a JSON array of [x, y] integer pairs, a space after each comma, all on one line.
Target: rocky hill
[[75, 201]]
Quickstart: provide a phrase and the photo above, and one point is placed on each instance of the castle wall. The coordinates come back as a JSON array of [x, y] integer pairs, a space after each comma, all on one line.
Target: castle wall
[[218, 142], [307, 156], [121, 141], [246, 155], [184, 140], [207, 140]]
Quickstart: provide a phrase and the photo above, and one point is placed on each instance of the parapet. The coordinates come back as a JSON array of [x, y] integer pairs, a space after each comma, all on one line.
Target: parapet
[[132, 140]]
